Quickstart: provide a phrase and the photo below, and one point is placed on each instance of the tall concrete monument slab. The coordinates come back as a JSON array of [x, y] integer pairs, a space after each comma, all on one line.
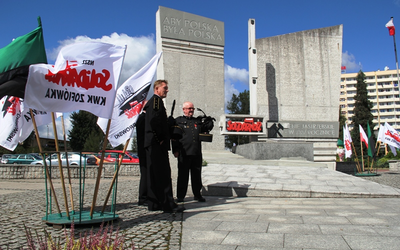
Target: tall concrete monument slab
[[299, 75], [193, 64], [296, 87]]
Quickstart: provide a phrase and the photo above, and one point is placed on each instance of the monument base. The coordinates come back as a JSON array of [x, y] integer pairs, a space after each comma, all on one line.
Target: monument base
[[275, 150]]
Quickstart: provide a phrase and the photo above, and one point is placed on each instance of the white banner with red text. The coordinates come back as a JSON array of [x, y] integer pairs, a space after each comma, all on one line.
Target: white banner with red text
[[84, 77], [16, 121]]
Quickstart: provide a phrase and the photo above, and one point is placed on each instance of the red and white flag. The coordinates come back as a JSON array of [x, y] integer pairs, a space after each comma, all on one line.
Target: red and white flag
[[390, 26], [391, 136], [16, 121], [129, 102], [84, 77], [347, 142], [363, 136]]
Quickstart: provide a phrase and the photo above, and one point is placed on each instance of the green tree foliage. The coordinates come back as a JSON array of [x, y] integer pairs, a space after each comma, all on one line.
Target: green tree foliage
[[342, 122], [362, 113], [239, 104], [93, 142], [84, 127]]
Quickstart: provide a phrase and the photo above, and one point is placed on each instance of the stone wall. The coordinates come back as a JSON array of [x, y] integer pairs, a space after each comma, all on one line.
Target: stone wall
[[394, 165], [194, 67], [271, 150], [37, 172]]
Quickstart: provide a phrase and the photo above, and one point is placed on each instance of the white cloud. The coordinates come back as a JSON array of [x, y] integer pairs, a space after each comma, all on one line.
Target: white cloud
[[234, 76], [349, 61]]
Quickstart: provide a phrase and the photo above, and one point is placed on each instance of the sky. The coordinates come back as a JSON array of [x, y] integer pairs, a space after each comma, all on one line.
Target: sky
[[366, 41]]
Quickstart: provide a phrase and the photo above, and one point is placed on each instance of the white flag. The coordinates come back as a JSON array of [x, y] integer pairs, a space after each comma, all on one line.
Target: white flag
[[391, 136], [16, 121], [393, 149], [363, 136], [347, 142], [84, 77], [381, 134], [129, 102]]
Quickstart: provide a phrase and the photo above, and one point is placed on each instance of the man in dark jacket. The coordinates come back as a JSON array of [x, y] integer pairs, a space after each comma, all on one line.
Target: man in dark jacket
[[188, 152], [157, 144]]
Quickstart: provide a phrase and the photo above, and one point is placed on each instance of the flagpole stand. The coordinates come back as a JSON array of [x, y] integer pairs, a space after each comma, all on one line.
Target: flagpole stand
[[368, 172], [82, 215]]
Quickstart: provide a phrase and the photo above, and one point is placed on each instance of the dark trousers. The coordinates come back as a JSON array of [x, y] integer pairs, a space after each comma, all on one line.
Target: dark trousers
[[159, 192], [143, 177], [186, 164]]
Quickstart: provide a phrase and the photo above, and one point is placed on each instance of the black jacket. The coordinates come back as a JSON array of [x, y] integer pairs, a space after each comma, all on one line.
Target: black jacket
[[156, 123], [190, 143]]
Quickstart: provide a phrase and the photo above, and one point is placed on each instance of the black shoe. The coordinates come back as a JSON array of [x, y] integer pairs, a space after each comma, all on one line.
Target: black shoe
[[142, 203], [199, 199], [179, 200], [175, 210]]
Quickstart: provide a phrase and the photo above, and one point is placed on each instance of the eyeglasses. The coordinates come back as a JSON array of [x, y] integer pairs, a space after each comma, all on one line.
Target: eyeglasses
[[190, 108]]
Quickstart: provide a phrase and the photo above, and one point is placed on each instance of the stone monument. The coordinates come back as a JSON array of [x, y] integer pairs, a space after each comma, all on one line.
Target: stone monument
[[296, 86], [193, 64]]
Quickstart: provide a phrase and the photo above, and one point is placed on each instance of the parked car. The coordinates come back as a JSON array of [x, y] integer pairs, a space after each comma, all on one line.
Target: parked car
[[74, 159], [113, 155], [21, 159], [5, 157]]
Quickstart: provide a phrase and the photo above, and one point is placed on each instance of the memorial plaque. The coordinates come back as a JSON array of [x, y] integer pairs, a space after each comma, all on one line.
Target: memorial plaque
[[184, 26], [303, 129]]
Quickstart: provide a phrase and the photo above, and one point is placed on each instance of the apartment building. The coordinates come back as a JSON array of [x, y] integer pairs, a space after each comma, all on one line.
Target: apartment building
[[383, 92]]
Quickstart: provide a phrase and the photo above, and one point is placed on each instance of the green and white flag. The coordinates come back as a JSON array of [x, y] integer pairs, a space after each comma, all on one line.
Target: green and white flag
[[15, 59]]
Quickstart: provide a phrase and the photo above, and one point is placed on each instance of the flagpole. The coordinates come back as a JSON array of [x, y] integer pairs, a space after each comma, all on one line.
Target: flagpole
[[68, 170], [60, 164], [44, 161], [397, 62], [115, 176], [362, 156], [96, 189], [358, 162]]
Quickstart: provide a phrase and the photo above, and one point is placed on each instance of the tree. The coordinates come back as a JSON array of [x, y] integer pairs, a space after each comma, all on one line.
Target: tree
[[94, 142], [239, 104], [84, 127], [342, 122], [362, 113]]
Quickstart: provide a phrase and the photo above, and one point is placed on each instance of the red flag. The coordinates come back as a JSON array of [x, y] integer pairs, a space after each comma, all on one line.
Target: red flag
[[390, 26], [363, 136]]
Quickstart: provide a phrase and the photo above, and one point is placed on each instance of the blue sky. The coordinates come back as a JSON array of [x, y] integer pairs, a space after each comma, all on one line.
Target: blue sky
[[366, 41]]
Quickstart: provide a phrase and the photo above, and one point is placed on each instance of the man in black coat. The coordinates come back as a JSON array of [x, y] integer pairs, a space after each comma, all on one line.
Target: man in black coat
[[157, 144], [188, 152]]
